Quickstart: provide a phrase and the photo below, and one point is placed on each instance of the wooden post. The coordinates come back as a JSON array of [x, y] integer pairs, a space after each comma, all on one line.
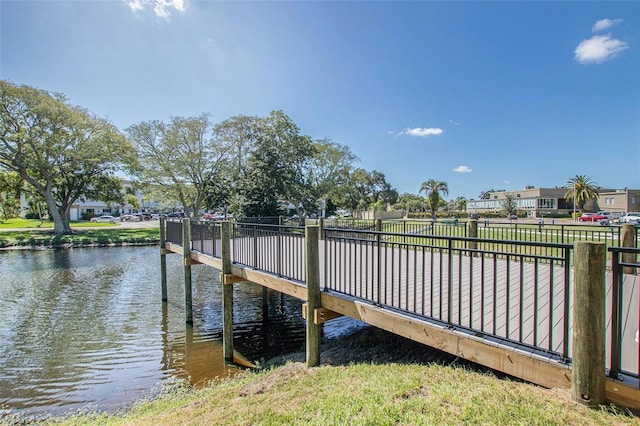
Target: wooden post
[[588, 370], [378, 225], [227, 293], [473, 233], [186, 251], [320, 227], [163, 259], [265, 304], [628, 239], [313, 294]]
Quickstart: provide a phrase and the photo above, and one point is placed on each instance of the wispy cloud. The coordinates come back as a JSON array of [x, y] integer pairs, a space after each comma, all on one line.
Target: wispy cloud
[[422, 132], [161, 8], [455, 123], [605, 23], [463, 169], [599, 49]]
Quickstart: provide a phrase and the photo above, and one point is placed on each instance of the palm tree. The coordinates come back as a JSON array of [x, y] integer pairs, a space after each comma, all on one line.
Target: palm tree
[[580, 189], [432, 189]]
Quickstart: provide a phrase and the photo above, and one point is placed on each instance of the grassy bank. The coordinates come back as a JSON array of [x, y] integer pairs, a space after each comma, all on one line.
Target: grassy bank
[[80, 238], [370, 378]]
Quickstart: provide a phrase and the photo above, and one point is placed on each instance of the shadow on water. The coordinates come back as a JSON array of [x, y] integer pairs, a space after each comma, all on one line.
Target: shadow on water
[[86, 328]]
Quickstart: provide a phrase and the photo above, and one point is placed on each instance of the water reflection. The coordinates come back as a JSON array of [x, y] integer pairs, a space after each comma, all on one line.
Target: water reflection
[[86, 328]]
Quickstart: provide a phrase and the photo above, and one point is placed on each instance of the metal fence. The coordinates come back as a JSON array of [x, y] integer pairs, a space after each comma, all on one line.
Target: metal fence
[[276, 249], [510, 295], [551, 233], [624, 360], [174, 231], [206, 237]]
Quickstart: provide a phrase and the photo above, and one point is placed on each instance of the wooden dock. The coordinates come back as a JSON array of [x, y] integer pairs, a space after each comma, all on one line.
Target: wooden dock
[[500, 312]]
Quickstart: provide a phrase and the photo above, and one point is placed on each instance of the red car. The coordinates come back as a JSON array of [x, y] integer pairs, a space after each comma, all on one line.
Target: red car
[[591, 217]]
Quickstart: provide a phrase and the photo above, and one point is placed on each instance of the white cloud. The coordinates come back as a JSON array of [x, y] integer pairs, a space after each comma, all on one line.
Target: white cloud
[[423, 132], [605, 23], [161, 8], [455, 123], [598, 49], [462, 169]]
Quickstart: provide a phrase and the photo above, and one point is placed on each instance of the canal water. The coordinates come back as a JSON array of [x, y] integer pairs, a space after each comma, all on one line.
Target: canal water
[[86, 328]]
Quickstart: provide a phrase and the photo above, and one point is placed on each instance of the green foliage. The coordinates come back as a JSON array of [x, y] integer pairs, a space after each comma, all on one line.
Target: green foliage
[[432, 189], [367, 189], [62, 151], [275, 166], [509, 205], [411, 203], [580, 189]]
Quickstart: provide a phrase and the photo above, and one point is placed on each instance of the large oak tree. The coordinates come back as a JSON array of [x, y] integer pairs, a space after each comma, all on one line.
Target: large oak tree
[[61, 150]]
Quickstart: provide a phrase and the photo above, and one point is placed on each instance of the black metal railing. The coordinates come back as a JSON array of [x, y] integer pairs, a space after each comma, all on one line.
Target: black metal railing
[[276, 249], [551, 233], [513, 295], [624, 360], [206, 237], [447, 228], [174, 231]]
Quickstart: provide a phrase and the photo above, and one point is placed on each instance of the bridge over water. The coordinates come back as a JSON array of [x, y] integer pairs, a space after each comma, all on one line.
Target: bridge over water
[[504, 304]]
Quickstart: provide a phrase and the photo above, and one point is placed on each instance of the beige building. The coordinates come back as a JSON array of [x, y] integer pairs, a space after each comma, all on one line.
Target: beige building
[[537, 202]]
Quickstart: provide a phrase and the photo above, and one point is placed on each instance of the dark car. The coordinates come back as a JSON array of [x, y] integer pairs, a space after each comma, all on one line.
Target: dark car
[[176, 214], [475, 216]]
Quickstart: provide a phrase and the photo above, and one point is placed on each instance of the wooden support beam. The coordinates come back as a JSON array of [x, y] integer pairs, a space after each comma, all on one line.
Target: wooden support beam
[[166, 251], [231, 279], [320, 315], [622, 395], [190, 262]]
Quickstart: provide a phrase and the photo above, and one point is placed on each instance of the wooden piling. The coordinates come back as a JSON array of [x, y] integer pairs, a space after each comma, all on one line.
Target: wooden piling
[[588, 369], [227, 292], [163, 259], [312, 263], [186, 252], [473, 233], [628, 239]]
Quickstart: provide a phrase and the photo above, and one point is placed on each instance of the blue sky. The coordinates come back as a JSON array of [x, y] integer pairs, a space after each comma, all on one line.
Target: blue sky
[[481, 95]]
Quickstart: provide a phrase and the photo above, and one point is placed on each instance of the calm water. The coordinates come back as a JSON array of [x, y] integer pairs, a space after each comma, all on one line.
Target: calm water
[[86, 328]]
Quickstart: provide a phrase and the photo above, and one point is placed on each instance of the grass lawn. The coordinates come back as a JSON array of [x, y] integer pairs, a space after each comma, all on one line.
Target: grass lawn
[[90, 236], [35, 224], [363, 394]]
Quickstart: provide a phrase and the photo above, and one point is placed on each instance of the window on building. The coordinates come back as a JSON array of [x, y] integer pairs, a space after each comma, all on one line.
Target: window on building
[[548, 203]]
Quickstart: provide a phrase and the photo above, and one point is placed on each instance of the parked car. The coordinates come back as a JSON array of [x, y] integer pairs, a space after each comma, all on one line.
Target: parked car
[[176, 214], [630, 217], [475, 216], [513, 216], [105, 219], [591, 217]]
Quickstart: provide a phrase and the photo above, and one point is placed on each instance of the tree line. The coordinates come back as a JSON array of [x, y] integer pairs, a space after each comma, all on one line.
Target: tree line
[[61, 153], [55, 154]]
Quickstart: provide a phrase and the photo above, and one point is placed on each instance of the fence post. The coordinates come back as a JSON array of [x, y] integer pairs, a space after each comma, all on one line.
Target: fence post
[[628, 240], [163, 259], [320, 227], [227, 292], [473, 233], [378, 224], [312, 262], [588, 370], [186, 252]]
